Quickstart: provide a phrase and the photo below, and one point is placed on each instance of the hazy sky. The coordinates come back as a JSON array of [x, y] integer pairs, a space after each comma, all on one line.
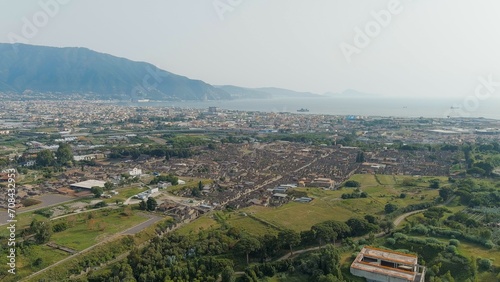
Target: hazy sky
[[426, 48]]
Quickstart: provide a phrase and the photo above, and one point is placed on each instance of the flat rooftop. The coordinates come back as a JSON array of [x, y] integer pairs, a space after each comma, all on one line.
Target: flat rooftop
[[88, 184], [389, 255], [387, 263]]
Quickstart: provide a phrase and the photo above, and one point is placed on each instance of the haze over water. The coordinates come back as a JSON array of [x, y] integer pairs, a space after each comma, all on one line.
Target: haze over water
[[360, 106]]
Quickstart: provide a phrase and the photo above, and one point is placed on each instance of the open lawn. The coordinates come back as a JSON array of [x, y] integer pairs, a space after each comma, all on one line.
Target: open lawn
[[202, 223], [386, 179], [328, 205], [250, 225], [191, 182], [470, 250], [301, 216], [125, 193], [26, 261], [87, 232]]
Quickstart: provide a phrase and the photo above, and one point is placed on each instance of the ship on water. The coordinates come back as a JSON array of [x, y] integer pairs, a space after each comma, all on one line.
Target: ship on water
[[302, 110]]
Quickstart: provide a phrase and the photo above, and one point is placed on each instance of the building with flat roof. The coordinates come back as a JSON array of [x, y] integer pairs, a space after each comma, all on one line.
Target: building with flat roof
[[87, 184], [378, 265]]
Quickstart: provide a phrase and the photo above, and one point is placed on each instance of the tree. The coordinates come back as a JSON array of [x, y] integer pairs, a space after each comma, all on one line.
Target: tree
[[387, 226], [371, 219], [42, 230], [247, 244], [323, 232], [151, 204], [142, 205], [484, 264], [227, 274], [45, 158], [269, 245], [389, 208], [64, 154], [360, 226], [434, 183], [289, 238], [360, 157], [123, 272], [352, 183], [97, 191], [445, 193], [108, 186], [485, 234], [447, 277]]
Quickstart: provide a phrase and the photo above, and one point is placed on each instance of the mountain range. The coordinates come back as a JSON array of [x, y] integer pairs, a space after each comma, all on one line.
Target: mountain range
[[66, 71]]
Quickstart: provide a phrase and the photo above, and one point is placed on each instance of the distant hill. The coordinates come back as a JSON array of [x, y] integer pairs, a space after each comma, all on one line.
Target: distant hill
[[79, 70], [264, 92], [237, 92], [280, 92]]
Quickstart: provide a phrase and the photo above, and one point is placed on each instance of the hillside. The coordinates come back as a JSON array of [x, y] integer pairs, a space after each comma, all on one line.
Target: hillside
[[65, 71]]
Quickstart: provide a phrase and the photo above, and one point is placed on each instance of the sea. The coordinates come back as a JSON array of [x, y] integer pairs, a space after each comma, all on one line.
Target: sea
[[465, 107]]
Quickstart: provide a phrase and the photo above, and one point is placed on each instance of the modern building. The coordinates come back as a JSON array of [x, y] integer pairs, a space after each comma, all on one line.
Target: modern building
[[378, 265], [212, 110], [87, 185]]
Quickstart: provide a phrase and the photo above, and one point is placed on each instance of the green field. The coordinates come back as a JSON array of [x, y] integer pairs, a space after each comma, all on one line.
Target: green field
[[87, 232], [124, 194], [27, 257], [300, 216], [190, 183], [328, 205], [250, 225], [202, 223]]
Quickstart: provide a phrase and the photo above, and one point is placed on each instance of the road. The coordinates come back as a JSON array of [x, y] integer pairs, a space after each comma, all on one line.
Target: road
[[138, 228], [47, 201]]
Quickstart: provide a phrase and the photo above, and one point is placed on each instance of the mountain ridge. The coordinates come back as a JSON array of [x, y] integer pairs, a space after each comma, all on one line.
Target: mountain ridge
[[63, 71], [67, 70]]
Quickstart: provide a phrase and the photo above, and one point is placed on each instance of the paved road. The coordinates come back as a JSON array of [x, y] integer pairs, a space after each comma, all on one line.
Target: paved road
[[138, 228], [47, 201]]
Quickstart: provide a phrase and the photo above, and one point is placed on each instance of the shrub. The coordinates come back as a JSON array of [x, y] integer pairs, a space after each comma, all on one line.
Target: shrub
[[30, 202], [454, 242], [451, 249], [421, 229], [59, 227], [484, 264], [352, 183]]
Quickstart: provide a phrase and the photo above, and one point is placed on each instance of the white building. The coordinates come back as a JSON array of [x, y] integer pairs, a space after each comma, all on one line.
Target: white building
[[135, 172]]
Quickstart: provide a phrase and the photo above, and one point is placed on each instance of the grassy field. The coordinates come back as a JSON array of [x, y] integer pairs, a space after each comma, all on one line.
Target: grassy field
[[250, 225], [473, 250], [202, 223], [191, 182], [25, 260], [124, 194], [87, 232], [300, 216], [328, 205]]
